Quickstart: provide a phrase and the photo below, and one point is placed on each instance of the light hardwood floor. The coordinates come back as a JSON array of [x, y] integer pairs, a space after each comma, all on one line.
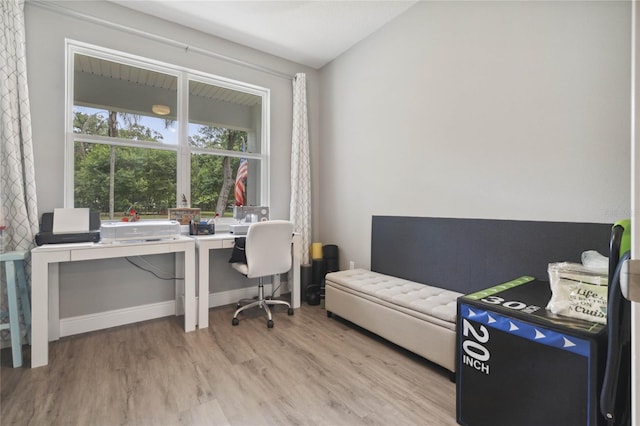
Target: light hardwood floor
[[307, 370]]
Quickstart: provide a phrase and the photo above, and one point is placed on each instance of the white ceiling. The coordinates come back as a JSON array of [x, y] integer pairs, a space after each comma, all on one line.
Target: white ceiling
[[311, 33]]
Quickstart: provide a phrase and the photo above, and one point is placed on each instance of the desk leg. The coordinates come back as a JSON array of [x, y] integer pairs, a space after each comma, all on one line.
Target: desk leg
[[179, 285], [203, 288], [39, 310], [54, 301], [295, 290], [190, 288]]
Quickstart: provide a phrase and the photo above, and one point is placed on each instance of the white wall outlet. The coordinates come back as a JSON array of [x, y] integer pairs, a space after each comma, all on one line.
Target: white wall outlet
[[352, 264]]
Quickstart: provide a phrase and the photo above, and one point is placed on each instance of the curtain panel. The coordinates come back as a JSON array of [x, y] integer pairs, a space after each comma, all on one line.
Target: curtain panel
[[18, 211], [300, 212], [18, 208]]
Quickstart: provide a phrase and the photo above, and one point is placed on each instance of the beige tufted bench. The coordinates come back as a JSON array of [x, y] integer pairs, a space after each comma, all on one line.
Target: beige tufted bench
[[418, 317]]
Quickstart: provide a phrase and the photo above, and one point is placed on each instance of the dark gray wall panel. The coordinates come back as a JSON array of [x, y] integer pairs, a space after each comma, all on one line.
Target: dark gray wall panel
[[467, 255]]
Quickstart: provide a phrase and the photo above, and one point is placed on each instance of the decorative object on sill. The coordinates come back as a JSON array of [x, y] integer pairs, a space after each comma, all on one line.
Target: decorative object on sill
[[131, 215], [184, 215]]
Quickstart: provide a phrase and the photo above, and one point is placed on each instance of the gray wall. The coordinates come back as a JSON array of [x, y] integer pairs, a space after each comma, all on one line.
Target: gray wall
[[46, 30], [499, 110], [502, 110]]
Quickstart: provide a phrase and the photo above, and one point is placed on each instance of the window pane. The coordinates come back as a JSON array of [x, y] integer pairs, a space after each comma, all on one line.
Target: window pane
[[118, 100], [132, 102], [252, 190], [223, 119], [217, 138], [214, 110], [143, 178], [92, 121], [213, 184]]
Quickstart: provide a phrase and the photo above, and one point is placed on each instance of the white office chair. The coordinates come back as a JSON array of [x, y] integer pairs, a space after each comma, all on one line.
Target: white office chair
[[268, 252]]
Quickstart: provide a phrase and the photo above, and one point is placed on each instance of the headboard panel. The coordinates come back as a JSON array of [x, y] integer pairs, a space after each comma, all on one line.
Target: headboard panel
[[467, 255]]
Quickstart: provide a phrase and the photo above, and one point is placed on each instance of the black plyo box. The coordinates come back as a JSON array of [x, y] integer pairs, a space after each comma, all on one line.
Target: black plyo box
[[519, 364]]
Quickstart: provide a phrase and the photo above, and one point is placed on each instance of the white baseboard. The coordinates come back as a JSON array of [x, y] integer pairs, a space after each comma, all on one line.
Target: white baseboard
[[117, 317], [114, 318]]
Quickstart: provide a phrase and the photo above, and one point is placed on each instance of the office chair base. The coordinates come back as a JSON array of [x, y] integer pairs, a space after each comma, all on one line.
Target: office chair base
[[264, 304]]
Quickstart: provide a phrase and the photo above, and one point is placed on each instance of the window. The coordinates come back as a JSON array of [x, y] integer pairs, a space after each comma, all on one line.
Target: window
[[153, 136]]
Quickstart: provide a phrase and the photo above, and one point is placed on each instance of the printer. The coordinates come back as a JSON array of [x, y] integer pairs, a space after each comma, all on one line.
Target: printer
[[69, 226], [239, 228]]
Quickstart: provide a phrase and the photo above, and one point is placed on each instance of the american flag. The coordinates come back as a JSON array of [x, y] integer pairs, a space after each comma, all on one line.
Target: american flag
[[243, 172]]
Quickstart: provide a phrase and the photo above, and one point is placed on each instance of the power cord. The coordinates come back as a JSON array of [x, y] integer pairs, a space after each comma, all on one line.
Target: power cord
[[157, 275], [275, 290]]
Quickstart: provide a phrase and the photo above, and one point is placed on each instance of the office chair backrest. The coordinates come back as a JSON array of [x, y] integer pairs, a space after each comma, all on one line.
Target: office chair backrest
[[268, 248]]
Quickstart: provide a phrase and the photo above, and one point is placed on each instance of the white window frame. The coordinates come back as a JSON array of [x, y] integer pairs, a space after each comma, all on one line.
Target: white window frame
[[183, 149]]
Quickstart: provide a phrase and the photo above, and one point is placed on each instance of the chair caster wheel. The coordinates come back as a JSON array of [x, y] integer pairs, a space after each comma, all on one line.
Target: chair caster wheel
[[235, 321], [290, 311], [270, 324]]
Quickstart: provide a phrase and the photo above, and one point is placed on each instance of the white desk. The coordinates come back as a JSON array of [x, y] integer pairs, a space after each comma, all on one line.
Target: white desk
[[45, 322], [204, 243]]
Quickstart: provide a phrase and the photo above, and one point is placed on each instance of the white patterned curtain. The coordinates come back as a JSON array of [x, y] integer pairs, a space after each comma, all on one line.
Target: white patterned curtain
[[300, 212], [18, 214], [18, 209]]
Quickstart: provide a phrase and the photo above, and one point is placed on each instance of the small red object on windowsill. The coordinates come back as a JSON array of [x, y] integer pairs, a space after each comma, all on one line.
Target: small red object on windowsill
[[133, 216]]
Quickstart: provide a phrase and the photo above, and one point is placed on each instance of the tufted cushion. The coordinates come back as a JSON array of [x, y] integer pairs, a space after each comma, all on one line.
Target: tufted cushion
[[428, 300]]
